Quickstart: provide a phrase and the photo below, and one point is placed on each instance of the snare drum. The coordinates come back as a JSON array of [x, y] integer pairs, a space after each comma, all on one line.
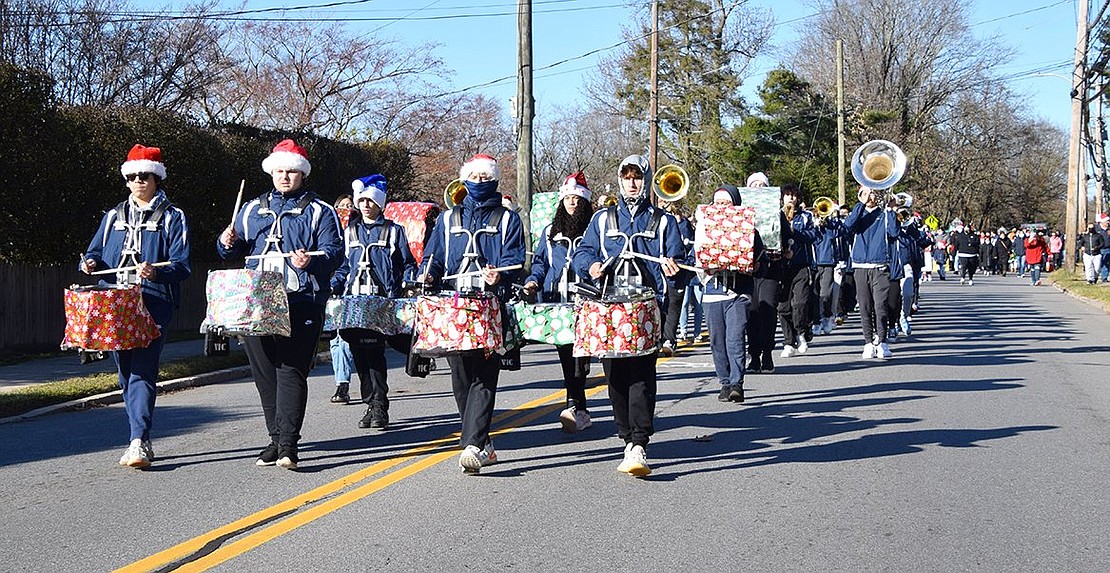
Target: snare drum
[[246, 302], [379, 314], [452, 323], [617, 329], [107, 317], [546, 323]]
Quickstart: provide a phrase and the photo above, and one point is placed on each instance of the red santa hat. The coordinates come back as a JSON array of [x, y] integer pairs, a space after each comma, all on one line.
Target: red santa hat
[[480, 163], [575, 184], [287, 155], [1103, 217], [142, 159]]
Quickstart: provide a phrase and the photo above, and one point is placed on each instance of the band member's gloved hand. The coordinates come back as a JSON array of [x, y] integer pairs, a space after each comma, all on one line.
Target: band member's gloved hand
[[229, 237], [146, 271], [670, 268], [491, 276], [530, 288], [300, 258]]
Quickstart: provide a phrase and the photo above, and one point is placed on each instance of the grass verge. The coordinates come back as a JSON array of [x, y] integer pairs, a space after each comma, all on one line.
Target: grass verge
[[24, 400], [1076, 284]]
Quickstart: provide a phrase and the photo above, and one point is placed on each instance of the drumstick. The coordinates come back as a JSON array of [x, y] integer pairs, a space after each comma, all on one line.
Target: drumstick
[[238, 202], [130, 268], [283, 255], [660, 261], [473, 273]]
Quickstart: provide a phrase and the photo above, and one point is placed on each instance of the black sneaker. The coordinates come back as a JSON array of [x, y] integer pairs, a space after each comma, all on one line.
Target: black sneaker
[[342, 395], [736, 394], [287, 457], [768, 364], [726, 391], [367, 420], [379, 416], [268, 456], [754, 365]]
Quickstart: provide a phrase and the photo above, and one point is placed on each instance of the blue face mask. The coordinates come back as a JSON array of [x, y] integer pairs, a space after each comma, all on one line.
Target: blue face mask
[[481, 192]]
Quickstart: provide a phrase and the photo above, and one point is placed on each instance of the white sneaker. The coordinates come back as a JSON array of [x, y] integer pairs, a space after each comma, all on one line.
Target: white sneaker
[[569, 421], [635, 461], [803, 346], [473, 458], [970, 282], [868, 351], [787, 351], [582, 419], [134, 456], [963, 281], [884, 351]]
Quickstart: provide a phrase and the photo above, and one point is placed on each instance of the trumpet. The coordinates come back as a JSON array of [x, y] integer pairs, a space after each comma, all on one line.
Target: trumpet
[[878, 164], [454, 193], [823, 207], [670, 183]]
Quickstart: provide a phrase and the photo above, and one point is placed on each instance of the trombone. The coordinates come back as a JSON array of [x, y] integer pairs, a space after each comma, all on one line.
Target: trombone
[[824, 207]]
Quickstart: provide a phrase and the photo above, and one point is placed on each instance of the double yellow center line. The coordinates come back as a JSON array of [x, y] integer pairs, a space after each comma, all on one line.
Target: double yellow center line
[[209, 549]]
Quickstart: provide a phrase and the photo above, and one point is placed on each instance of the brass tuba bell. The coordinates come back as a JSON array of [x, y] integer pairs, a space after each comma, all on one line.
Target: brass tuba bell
[[670, 183], [454, 193], [878, 164]]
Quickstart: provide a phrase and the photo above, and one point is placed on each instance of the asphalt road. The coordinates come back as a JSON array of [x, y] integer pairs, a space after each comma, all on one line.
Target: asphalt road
[[983, 445]]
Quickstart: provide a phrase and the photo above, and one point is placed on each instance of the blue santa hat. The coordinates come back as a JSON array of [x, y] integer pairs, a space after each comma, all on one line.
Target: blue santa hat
[[372, 187]]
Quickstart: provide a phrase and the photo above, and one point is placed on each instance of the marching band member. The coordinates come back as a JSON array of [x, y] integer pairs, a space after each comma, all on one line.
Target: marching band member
[[474, 374], [632, 380], [799, 234], [762, 317], [144, 229], [285, 224], [826, 248], [875, 228], [377, 259], [727, 301], [551, 270]]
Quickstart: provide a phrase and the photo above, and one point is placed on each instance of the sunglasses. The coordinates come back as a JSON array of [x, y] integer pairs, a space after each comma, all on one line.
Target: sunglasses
[[138, 176]]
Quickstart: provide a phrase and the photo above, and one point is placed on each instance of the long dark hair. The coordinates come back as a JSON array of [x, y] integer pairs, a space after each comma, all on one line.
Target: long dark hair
[[571, 226]]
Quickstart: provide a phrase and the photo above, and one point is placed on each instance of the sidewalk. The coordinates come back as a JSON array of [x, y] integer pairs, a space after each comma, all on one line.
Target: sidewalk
[[34, 372]]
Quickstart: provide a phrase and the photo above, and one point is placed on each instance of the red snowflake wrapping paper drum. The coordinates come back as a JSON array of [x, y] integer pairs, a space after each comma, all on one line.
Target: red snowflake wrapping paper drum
[[247, 302], [107, 318], [417, 218], [450, 324], [724, 237], [617, 330]]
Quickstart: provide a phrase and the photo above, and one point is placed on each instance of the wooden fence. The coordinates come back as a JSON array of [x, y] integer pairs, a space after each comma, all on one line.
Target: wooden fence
[[32, 313]]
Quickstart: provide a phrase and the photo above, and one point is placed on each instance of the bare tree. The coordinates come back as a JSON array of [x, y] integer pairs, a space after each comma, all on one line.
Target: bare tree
[[301, 77], [100, 55], [592, 141]]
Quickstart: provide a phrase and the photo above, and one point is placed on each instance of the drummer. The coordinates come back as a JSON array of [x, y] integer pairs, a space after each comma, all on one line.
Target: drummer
[[478, 235], [632, 381], [551, 268], [285, 224], [377, 260], [142, 230]]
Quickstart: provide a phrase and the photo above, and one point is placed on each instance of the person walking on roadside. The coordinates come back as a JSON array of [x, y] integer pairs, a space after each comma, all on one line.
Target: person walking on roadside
[[1055, 249], [966, 243], [1091, 242], [375, 263], [144, 230], [342, 363], [1018, 248], [1036, 254], [278, 230], [551, 277]]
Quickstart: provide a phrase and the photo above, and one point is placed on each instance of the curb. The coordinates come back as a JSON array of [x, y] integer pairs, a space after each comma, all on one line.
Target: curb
[[1090, 301], [116, 396]]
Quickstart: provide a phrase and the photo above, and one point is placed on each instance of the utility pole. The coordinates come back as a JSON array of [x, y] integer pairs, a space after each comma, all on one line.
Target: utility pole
[[840, 178], [526, 110], [1076, 191], [1100, 157], [653, 129]]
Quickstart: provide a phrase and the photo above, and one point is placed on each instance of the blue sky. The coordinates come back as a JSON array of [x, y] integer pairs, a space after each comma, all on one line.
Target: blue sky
[[477, 40]]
